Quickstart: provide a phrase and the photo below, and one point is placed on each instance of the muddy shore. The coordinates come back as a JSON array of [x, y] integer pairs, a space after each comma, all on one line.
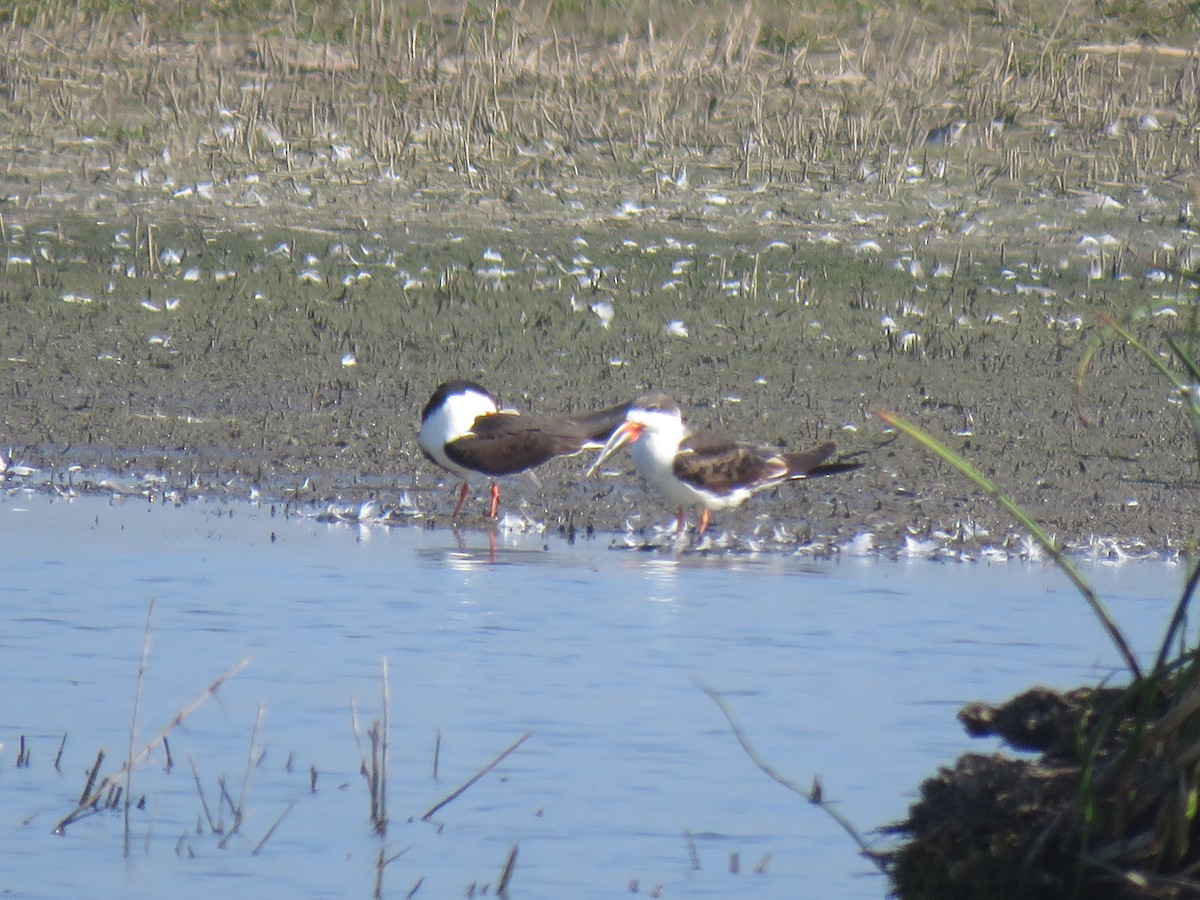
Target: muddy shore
[[235, 309]]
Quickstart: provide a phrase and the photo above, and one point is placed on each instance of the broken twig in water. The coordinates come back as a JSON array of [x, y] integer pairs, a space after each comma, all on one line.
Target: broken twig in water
[[381, 824], [437, 750], [239, 811], [91, 779], [92, 795], [212, 826], [374, 770], [813, 796], [506, 875], [137, 706], [474, 778], [271, 830], [381, 863], [691, 846]]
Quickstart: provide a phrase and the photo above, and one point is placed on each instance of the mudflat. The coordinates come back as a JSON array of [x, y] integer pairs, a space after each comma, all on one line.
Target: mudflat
[[246, 258]]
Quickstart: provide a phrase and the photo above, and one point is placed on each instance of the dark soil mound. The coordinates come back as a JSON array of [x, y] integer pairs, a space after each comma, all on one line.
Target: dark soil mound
[[1108, 808]]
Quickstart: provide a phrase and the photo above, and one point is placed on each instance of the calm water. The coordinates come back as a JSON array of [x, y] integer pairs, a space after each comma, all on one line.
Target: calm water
[[849, 670]]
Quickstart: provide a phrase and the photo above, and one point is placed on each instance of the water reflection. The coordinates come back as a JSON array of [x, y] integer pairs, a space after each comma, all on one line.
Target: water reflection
[[662, 574]]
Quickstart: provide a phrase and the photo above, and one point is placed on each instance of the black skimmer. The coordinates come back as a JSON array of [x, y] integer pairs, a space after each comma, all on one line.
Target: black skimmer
[[706, 469], [464, 430]]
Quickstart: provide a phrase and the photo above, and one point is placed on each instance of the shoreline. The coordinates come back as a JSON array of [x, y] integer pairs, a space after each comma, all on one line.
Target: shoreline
[[370, 507]]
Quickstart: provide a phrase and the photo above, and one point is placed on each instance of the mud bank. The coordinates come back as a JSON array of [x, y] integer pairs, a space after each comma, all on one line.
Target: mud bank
[[222, 303]]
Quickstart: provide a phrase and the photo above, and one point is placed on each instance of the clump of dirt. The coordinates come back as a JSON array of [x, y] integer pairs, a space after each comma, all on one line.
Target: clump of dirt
[[1107, 808]]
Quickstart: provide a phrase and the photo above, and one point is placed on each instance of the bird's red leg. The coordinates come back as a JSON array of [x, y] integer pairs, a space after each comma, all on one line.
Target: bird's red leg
[[495, 499], [679, 523], [462, 496], [704, 517]]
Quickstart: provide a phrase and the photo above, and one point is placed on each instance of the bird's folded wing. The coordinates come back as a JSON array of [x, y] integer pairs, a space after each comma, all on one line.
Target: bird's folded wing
[[720, 465]]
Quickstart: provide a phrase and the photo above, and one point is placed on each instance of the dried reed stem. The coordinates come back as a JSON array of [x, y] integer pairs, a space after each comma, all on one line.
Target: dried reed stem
[[506, 874], [383, 763], [474, 778], [92, 795], [137, 705], [813, 796], [203, 800], [271, 830]]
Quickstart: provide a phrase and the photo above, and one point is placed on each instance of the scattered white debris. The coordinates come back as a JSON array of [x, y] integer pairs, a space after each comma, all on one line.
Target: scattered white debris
[[1039, 290], [271, 135], [604, 312], [676, 328], [1099, 200], [10, 469], [862, 544], [495, 273], [1073, 323]]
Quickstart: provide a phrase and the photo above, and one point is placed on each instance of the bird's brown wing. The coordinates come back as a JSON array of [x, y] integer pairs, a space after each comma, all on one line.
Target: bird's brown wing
[[505, 443], [717, 464], [598, 426]]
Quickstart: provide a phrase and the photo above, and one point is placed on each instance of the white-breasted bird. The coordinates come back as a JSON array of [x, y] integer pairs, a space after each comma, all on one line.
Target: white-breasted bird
[[706, 469], [464, 430]]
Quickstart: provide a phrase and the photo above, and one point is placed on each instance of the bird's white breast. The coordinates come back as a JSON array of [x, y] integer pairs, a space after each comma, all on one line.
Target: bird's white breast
[[451, 421]]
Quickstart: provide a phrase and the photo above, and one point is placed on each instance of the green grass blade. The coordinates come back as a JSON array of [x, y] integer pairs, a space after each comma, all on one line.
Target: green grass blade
[[1192, 393], [1186, 358], [1177, 619], [1127, 335], [989, 487]]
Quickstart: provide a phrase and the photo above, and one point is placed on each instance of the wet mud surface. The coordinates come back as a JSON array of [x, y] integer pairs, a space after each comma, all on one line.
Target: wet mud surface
[[277, 322]]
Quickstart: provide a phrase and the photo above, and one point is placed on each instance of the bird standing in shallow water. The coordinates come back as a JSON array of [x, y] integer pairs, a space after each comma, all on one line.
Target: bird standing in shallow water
[[706, 469], [464, 430]]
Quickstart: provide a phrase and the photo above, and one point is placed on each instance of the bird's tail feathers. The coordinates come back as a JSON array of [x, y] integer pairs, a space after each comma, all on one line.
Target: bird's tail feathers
[[812, 464]]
